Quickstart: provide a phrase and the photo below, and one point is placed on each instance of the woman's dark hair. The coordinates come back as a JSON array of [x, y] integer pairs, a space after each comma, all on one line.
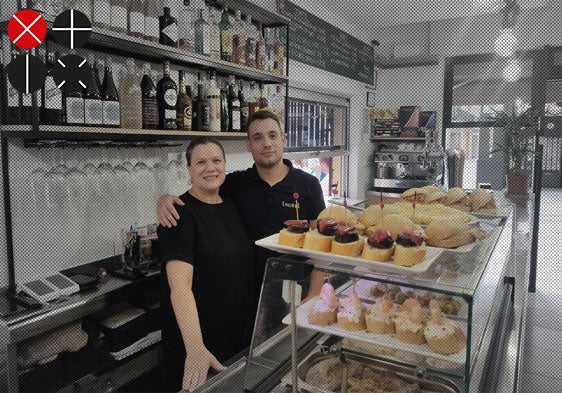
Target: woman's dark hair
[[264, 114], [201, 140]]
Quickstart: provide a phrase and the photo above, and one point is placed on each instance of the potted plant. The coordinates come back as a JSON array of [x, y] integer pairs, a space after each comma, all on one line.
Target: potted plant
[[519, 128]]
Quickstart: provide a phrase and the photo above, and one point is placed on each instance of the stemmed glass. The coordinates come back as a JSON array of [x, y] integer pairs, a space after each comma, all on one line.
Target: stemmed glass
[[144, 193], [176, 176]]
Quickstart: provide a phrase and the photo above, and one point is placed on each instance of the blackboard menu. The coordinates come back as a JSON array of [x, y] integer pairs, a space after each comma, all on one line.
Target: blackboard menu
[[315, 42]]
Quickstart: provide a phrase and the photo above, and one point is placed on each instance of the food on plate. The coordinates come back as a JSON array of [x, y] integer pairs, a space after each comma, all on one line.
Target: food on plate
[[379, 317], [419, 194], [450, 233], [343, 216], [458, 199], [397, 223], [321, 239], [410, 249], [436, 197], [380, 289], [347, 242], [379, 246], [293, 235], [482, 201], [351, 315], [442, 335], [373, 214], [409, 322], [449, 305], [325, 308]]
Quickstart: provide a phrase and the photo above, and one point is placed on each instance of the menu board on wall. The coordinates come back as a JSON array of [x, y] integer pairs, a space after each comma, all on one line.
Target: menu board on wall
[[317, 43]]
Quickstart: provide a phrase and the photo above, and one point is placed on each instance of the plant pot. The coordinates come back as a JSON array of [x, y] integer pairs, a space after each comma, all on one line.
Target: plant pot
[[517, 183]]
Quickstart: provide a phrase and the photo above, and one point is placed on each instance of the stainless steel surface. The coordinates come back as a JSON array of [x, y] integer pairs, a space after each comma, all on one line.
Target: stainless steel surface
[[403, 184]]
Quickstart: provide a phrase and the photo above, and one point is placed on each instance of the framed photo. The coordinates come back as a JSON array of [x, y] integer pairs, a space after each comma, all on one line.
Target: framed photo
[[370, 98]]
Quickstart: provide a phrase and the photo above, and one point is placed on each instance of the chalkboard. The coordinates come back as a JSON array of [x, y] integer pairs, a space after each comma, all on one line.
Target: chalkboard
[[315, 42]]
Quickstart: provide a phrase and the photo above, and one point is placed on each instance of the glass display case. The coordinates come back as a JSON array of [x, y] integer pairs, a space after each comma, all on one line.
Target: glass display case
[[468, 284]]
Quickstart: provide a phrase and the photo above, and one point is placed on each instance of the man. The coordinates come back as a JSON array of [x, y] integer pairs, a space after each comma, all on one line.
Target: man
[[265, 193]]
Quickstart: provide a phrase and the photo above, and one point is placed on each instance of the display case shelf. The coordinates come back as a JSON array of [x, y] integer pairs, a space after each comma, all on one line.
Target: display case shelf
[[395, 138]]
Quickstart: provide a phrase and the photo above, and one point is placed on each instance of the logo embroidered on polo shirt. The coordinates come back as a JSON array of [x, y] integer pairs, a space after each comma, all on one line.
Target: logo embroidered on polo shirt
[[288, 204]]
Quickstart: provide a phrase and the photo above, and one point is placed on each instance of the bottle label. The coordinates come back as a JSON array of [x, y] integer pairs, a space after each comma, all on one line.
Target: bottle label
[[93, 111], [170, 114], [235, 120], [206, 120], [251, 52], [26, 100], [149, 112], [188, 117], [119, 17], [171, 31], [111, 113], [171, 97], [215, 43], [74, 110], [215, 114], [151, 28], [244, 112], [136, 23], [239, 49], [206, 40], [100, 10], [53, 95], [226, 42]]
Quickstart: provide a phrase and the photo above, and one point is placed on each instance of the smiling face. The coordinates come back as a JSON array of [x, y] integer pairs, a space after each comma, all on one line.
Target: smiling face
[[266, 142], [207, 168]]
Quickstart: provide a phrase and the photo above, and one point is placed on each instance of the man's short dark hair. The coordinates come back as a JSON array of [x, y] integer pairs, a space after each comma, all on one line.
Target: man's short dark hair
[[264, 114], [201, 140]]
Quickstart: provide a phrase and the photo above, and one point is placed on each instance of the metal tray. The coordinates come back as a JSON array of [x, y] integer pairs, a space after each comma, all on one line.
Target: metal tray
[[428, 383]]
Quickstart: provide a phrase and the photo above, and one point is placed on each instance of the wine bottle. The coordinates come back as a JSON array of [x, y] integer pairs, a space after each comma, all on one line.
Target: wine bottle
[[12, 98], [93, 107], [202, 109], [251, 42], [168, 29], [214, 20], [225, 118], [135, 23], [244, 110], [226, 36], [233, 107], [261, 53], [111, 113], [149, 103], [238, 39], [202, 35], [119, 16], [151, 23], [262, 100], [214, 98], [131, 97], [101, 11], [278, 54], [167, 97], [253, 99], [186, 24], [184, 107]]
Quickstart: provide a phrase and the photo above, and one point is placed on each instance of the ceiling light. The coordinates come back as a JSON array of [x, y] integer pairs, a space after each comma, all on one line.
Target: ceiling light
[[512, 71], [506, 43]]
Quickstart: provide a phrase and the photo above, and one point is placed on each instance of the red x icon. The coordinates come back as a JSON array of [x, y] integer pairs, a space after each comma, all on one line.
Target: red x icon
[[27, 29]]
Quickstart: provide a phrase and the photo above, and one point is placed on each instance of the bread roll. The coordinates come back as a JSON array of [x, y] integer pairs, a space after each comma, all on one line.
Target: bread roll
[[482, 201], [418, 194], [409, 256], [377, 254], [396, 224], [339, 213], [313, 240], [352, 249], [436, 197], [291, 239], [451, 233], [371, 215]]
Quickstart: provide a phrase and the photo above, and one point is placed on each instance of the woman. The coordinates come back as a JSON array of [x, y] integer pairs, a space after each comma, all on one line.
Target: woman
[[207, 276]]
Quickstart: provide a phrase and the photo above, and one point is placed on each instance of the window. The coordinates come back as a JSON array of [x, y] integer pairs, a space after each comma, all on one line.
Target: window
[[317, 127]]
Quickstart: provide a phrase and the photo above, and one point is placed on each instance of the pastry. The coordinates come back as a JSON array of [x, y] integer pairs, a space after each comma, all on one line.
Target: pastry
[[417, 194], [293, 235], [451, 233], [410, 322], [347, 242], [325, 309], [379, 317], [443, 336], [458, 199], [397, 223], [482, 201], [436, 197], [321, 239], [379, 246], [351, 315], [343, 216], [410, 249]]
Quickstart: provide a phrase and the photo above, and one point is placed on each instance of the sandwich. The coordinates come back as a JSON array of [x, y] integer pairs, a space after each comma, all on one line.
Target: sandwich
[[458, 199], [410, 249], [343, 216], [482, 201], [447, 233], [379, 246], [397, 223], [419, 194], [436, 197], [293, 235], [320, 239], [347, 242]]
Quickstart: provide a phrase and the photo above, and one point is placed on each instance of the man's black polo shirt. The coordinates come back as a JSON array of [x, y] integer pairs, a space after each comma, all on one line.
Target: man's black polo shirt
[[264, 208]]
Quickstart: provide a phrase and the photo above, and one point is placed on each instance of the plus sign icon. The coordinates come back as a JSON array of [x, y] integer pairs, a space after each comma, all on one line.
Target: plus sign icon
[[72, 29], [27, 29]]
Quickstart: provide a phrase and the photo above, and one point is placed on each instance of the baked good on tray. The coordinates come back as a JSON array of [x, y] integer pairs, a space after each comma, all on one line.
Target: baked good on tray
[[410, 322], [325, 308], [482, 201], [443, 336], [379, 317], [379, 246], [347, 242], [410, 249], [293, 235], [351, 315], [451, 233], [458, 199], [320, 239]]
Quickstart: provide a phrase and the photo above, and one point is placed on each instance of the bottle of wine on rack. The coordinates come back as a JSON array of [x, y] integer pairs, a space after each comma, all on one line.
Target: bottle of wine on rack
[[244, 110], [149, 103], [226, 36], [111, 112], [202, 109], [168, 28], [131, 97], [238, 39], [51, 109], [214, 97], [202, 35], [184, 112], [166, 96], [93, 107], [73, 111], [251, 42], [233, 107], [225, 118]]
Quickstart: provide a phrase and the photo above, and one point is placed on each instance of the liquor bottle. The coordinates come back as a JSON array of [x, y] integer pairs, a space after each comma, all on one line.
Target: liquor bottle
[[168, 28], [98, 65], [253, 99], [277, 102], [233, 107], [244, 110], [202, 109], [262, 100], [238, 39], [251, 42], [278, 54], [186, 19], [225, 118], [93, 107], [73, 112], [184, 106], [131, 97], [151, 23], [13, 98], [202, 35], [119, 16], [226, 36], [214, 20], [214, 98], [136, 18], [261, 53], [149, 103], [269, 49], [100, 19], [111, 113], [167, 97]]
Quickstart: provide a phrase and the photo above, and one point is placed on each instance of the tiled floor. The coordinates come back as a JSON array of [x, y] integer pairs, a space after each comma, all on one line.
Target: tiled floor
[[542, 356]]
